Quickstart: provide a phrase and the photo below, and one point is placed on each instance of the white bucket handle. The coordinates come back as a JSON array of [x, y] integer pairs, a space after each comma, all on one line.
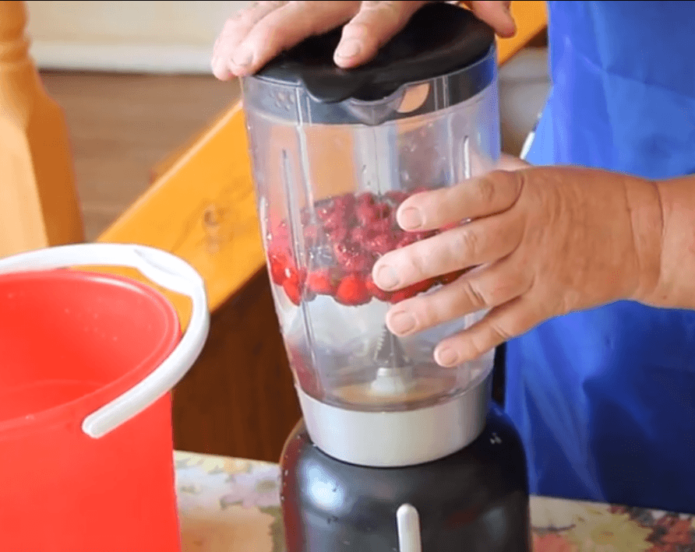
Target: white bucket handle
[[164, 269]]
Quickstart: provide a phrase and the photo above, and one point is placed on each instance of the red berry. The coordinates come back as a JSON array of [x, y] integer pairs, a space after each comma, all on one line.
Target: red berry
[[344, 204], [279, 258], [322, 281], [294, 284], [384, 226], [366, 214], [383, 210], [366, 198], [412, 290], [343, 211], [375, 290], [292, 291], [445, 279], [397, 196], [380, 244], [279, 246], [323, 211], [360, 234], [369, 213], [338, 235], [352, 258], [277, 263], [352, 291], [333, 221], [278, 229], [406, 239]]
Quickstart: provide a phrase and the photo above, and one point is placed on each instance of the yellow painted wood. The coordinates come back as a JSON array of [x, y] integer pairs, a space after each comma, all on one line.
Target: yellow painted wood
[[38, 198], [531, 18], [203, 210]]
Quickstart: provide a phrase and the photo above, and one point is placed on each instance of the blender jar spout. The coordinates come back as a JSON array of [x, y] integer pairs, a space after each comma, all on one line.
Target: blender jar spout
[[375, 112]]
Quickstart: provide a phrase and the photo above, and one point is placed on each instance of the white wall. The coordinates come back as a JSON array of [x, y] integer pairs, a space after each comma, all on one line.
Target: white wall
[[149, 36]]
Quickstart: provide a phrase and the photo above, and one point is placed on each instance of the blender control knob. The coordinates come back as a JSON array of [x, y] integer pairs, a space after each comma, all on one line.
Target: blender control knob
[[408, 523]]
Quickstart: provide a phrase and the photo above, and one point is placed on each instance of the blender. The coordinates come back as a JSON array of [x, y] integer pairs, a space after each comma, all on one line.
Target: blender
[[394, 453]]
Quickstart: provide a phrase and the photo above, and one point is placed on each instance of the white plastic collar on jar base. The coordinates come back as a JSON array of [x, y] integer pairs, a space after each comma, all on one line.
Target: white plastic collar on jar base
[[397, 439]]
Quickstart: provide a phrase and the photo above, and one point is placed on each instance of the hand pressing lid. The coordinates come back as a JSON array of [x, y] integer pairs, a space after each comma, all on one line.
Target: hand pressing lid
[[439, 39]]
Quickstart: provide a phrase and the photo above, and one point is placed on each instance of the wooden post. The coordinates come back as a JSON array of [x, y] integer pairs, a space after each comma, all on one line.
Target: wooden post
[[38, 200]]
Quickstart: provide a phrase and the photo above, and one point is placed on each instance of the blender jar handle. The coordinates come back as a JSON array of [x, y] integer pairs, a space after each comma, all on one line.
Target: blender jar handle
[[160, 267]]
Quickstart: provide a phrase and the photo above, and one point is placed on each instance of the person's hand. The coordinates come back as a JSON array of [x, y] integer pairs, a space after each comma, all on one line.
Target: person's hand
[[544, 241], [254, 36]]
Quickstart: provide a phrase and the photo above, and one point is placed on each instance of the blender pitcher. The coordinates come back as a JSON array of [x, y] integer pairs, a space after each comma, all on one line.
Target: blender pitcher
[[394, 454], [334, 152]]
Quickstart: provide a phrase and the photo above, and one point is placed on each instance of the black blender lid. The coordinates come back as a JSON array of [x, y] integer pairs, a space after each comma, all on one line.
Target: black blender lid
[[439, 39]]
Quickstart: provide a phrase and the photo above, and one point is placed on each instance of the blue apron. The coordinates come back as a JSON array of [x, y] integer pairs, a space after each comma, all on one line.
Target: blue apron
[[605, 399]]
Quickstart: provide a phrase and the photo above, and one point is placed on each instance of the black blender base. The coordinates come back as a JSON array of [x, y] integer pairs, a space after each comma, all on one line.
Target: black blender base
[[475, 500]]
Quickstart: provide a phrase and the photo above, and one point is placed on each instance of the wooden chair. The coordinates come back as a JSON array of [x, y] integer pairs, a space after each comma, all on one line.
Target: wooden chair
[[239, 399], [38, 200]]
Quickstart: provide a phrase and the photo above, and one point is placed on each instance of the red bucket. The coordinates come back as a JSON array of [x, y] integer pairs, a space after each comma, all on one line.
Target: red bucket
[[87, 362]]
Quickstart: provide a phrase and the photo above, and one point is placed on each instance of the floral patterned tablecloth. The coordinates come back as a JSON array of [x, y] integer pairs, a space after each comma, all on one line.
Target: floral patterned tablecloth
[[230, 505]]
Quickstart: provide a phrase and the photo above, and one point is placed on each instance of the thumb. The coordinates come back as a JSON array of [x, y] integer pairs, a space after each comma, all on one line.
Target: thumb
[[374, 25], [496, 14]]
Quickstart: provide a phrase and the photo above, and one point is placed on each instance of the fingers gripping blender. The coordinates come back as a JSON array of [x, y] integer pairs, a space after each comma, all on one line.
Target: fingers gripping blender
[[394, 453]]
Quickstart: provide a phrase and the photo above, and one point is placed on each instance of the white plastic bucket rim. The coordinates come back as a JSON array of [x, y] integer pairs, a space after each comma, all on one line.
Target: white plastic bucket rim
[[162, 268]]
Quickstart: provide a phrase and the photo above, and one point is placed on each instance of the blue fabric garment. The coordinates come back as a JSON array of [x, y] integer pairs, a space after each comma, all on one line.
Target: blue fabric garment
[[605, 399]]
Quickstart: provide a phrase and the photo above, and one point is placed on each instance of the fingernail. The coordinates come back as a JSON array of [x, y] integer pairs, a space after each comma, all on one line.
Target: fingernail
[[447, 356], [386, 277], [402, 322], [243, 57], [410, 218], [348, 49]]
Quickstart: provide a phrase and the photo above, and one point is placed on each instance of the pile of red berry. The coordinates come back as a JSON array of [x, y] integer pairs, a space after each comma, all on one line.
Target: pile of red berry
[[348, 234]]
